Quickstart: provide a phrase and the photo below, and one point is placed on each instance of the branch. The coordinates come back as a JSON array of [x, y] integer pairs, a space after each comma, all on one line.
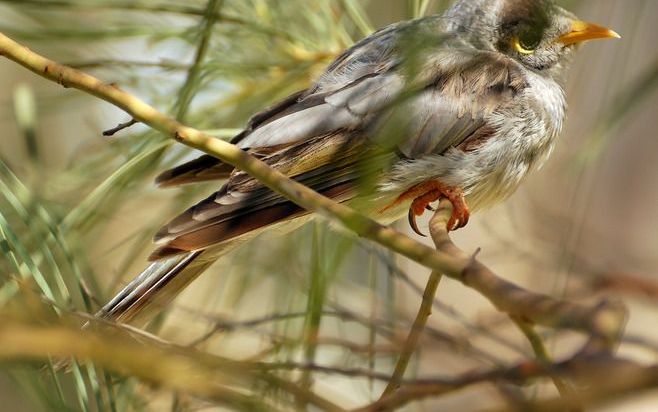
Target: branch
[[604, 322], [206, 376], [119, 127], [231, 154], [565, 388], [605, 379], [414, 334]]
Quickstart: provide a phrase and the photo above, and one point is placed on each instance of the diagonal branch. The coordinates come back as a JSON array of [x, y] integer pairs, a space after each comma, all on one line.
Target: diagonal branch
[[298, 193], [603, 322], [599, 376], [414, 334]]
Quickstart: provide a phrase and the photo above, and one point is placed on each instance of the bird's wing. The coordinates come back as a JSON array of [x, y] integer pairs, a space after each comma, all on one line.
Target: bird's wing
[[331, 165], [323, 137], [453, 97], [306, 114], [205, 167]]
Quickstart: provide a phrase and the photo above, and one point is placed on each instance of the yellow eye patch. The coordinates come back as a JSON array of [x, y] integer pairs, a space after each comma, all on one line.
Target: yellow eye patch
[[522, 48]]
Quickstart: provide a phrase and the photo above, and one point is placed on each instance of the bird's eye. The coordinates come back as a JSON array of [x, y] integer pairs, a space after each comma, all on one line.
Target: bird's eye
[[527, 41]]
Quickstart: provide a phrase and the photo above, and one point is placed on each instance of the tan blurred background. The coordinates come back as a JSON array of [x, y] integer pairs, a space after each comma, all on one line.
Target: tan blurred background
[[589, 216]]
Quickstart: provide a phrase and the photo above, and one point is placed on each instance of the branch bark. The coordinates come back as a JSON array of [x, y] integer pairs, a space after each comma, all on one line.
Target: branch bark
[[603, 322]]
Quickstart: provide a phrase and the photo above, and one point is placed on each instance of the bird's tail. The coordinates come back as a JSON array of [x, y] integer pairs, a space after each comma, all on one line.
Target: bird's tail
[[156, 286]]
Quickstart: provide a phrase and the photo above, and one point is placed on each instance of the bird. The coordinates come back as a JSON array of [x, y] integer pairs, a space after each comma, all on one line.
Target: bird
[[458, 106]]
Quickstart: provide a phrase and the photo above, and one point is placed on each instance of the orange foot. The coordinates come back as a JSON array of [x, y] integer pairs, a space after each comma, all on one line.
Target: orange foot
[[425, 193]]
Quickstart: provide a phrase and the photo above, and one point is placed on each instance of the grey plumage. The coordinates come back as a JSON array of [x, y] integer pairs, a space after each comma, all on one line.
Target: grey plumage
[[455, 98]]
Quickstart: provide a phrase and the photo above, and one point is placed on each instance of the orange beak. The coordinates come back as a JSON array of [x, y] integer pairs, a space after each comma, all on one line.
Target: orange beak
[[582, 31]]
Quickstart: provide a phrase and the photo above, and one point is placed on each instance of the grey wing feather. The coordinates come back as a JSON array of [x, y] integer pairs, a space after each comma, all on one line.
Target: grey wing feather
[[449, 106], [350, 108], [462, 90], [358, 83]]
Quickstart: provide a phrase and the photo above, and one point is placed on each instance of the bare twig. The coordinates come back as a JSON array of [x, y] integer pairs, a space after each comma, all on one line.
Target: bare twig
[[632, 285], [564, 387], [603, 380], [414, 334], [120, 127], [601, 375]]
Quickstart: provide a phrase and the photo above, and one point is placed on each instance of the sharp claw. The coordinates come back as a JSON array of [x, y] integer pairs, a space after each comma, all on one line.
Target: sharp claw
[[413, 224], [464, 218], [430, 208]]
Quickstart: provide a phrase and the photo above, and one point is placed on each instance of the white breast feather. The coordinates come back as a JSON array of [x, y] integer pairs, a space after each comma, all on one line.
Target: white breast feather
[[526, 131]]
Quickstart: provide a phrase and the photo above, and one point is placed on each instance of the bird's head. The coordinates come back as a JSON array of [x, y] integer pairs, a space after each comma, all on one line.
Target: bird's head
[[537, 33]]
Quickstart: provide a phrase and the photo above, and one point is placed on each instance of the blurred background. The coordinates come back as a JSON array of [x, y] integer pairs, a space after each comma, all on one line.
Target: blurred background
[[78, 210]]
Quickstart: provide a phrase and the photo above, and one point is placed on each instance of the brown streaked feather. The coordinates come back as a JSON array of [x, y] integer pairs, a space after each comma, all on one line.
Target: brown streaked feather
[[329, 164], [243, 222], [153, 287], [202, 169], [207, 168]]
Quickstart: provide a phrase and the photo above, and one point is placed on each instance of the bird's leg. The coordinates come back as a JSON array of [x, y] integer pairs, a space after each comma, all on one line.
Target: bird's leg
[[423, 194]]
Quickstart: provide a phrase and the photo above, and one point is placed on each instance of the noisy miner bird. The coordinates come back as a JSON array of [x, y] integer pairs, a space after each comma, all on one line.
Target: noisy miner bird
[[459, 106]]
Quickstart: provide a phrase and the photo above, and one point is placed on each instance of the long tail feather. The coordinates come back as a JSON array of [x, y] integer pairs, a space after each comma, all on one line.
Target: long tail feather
[[158, 284]]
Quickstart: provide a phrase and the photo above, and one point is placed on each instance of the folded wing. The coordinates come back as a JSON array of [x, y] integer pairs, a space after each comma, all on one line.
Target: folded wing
[[364, 107]]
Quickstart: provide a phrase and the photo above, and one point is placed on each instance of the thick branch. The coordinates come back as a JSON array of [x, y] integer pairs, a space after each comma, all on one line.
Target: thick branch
[[205, 376]]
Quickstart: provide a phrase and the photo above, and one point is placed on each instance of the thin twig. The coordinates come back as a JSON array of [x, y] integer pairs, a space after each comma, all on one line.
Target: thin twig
[[601, 375], [120, 127], [414, 334], [564, 387]]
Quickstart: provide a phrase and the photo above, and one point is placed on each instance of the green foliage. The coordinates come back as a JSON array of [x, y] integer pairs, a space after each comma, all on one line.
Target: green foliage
[[210, 64]]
